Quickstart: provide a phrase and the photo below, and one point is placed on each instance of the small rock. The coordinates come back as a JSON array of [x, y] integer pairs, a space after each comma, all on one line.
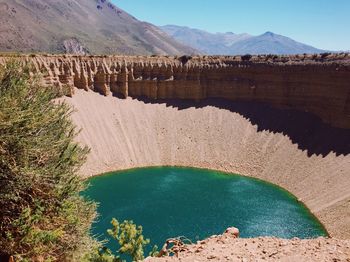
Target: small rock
[[232, 231]]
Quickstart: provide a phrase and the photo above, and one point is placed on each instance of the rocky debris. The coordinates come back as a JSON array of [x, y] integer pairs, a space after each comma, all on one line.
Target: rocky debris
[[227, 247], [313, 83], [173, 246], [73, 46]]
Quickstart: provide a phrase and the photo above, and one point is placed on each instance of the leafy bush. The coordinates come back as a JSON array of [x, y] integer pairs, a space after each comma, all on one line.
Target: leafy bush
[[42, 216]]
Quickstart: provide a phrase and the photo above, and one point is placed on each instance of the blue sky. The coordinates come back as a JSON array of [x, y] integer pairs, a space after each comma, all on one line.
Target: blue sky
[[322, 23]]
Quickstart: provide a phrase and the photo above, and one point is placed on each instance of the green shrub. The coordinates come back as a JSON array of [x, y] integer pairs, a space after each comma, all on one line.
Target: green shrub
[[42, 216]]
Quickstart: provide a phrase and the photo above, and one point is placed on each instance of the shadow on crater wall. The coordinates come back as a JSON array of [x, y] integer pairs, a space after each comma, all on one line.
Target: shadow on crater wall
[[304, 129]]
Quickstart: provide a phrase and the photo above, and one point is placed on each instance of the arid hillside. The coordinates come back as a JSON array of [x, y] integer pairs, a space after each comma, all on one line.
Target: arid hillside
[[80, 27]]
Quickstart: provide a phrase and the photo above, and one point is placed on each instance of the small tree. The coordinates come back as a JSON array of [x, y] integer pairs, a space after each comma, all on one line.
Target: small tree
[[42, 216], [130, 239]]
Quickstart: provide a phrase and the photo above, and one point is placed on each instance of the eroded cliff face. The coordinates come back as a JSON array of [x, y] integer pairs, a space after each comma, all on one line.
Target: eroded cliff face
[[313, 83]]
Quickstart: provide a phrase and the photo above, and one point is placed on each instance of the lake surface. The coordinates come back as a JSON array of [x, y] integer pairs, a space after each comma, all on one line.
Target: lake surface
[[197, 203]]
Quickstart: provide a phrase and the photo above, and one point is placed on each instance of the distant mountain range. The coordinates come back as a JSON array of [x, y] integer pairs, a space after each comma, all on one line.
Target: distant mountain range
[[236, 44], [79, 26], [100, 27]]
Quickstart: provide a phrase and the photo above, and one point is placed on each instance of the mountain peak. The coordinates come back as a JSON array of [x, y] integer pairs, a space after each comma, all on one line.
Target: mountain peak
[[233, 44], [268, 33]]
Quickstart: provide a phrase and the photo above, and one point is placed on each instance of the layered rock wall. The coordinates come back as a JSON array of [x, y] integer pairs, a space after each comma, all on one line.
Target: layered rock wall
[[318, 84]]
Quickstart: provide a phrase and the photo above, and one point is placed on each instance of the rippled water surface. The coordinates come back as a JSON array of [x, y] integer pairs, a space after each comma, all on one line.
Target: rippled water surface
[[196, 203]]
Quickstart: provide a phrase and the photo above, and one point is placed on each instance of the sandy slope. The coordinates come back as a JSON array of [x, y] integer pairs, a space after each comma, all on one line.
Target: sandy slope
[[130, 133]]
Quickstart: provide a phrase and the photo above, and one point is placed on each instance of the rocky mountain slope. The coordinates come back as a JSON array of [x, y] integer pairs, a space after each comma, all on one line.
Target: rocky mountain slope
[[236, 44], [79, 26]]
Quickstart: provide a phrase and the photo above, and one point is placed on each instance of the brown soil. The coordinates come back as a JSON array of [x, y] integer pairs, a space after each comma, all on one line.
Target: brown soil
[[228, 248]]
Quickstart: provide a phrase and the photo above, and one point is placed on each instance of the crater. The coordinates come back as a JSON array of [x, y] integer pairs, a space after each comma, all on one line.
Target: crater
[[284, 121], [287, 148]]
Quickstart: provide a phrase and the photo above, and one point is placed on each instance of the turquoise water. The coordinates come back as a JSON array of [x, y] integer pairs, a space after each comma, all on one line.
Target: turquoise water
[[196, 203]]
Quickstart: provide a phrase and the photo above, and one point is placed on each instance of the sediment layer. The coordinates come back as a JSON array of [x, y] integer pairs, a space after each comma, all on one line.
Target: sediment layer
[[313, 83]]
